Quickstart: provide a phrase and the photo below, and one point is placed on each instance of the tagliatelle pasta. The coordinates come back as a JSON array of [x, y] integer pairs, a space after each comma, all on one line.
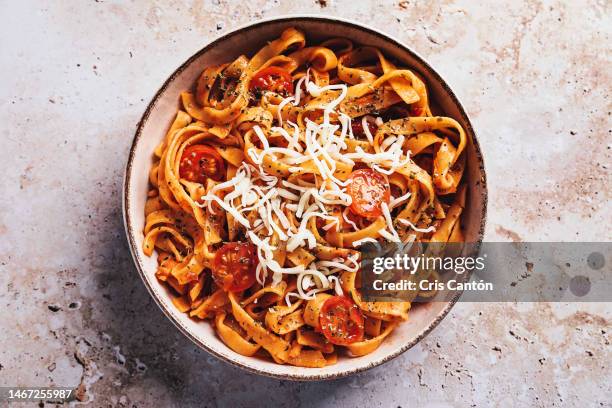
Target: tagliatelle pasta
[[275, 170]]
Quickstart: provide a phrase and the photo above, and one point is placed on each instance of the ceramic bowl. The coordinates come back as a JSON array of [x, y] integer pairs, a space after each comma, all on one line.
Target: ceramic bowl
[[160, 113]]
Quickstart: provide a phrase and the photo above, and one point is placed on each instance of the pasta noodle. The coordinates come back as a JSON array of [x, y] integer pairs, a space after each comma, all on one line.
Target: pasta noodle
[[274, 171]]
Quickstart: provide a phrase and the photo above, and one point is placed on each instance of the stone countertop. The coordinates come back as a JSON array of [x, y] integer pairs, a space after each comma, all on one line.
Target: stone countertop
[[533, 75]]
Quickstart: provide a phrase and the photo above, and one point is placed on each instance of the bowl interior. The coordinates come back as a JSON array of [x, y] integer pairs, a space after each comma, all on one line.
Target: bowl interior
[[160, 114]]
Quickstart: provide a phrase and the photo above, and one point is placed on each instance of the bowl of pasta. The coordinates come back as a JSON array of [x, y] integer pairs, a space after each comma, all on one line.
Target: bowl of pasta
[[261, 166]]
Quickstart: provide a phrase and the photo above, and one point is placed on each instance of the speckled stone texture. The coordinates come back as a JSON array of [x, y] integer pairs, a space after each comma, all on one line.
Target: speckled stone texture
[[76, 76]]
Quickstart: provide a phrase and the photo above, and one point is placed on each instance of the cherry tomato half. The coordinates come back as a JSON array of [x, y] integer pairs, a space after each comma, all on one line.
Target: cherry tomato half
[[357, 126], [200, 162], [273, 79], [368, 190], [341, 321], [234, 266]]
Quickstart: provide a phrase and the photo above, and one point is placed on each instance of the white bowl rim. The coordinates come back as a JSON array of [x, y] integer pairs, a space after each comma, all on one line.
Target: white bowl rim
[[129, 230]]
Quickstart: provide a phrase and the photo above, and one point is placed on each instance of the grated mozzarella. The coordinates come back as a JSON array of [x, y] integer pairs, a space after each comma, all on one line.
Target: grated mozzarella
[[227, 208], [337, 285], [345, 217], [415, 228], [366, 129], [281, 105], [278, 201], [396, 201]]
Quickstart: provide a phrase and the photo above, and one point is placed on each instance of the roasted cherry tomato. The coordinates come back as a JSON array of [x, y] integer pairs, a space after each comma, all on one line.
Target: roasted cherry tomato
[[200, 162], [273, 79], [341, 321], [234, 266], [368, 190], [357, 126]]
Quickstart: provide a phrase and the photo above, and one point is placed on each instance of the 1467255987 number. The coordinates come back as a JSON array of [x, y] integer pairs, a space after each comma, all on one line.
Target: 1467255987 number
[[55, 394]]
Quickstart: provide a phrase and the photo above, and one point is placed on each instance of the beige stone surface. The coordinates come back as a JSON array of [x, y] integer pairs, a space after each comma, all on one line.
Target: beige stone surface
[[77, 75]]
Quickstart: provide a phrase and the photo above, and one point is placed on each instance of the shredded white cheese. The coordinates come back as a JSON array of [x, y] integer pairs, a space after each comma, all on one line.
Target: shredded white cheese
[[278, 202], [362, 241], [415, 228]]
